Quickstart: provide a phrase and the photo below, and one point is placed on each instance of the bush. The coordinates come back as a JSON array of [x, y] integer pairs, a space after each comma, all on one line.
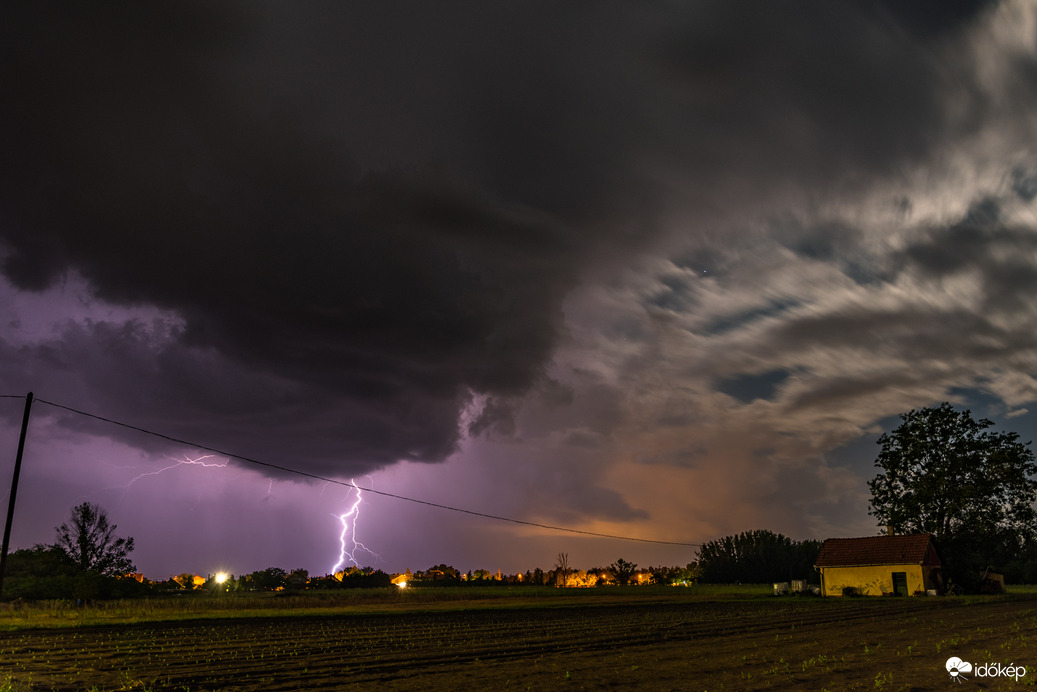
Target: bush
[[39, 573]]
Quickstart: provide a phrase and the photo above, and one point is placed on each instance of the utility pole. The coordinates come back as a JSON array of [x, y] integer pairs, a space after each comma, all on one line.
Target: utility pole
[[14, 490]]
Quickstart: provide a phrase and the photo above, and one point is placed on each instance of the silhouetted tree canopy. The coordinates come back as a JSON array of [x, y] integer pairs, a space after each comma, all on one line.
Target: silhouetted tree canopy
[[89, 541], [269, 579], [622, 571], [365, 578], [946, 474], [40, 572], [444, 571], [758, 556], [46, 572]]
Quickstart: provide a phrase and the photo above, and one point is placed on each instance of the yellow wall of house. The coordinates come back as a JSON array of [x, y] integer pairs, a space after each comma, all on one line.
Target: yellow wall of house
[[870, 581]]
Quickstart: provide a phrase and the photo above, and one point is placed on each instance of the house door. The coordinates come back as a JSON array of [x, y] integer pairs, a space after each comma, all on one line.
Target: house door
[[900, 583]]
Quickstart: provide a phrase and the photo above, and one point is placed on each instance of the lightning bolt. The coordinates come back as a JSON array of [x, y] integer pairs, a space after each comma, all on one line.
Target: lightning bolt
[[186, 461], [348, 543], [200, 461]]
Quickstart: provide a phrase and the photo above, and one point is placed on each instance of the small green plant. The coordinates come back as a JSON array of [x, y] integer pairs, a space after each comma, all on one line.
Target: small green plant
[[883, 679], [9, 684]]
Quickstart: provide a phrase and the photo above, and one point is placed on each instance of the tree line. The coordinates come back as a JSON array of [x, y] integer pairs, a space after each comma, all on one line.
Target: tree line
[[86, 562], [756, 557], [942, 472]]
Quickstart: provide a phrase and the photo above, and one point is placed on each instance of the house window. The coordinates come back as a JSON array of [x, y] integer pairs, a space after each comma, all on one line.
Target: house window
[[900, 583]]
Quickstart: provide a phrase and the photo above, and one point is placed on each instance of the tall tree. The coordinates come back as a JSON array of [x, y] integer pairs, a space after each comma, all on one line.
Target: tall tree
[[89, 541], [945, 473], [562, 569], [622, 571]]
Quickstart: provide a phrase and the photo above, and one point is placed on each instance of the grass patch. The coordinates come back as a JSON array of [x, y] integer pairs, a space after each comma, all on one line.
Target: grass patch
[[202, 605]]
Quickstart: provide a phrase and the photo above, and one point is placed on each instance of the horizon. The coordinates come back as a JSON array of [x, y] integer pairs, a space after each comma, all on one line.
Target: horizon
[[663, 272]]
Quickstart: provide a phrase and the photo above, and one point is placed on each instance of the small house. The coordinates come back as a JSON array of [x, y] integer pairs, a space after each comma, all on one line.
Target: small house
[[879, 566]]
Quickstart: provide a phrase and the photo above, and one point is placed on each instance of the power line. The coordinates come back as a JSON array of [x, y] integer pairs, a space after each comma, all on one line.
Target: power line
[[335, 481]]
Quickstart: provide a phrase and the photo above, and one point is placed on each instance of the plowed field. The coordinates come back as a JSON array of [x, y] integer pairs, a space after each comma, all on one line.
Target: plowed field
[[675, 644]]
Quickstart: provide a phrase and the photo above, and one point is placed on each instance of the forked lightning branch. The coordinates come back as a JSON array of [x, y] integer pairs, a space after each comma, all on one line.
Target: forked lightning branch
[[349, 545]]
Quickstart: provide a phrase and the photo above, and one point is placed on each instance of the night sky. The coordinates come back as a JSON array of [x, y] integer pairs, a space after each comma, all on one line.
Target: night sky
[[657, 269]]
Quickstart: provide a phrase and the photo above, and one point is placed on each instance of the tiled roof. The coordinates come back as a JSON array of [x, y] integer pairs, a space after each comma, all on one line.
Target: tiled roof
[[876, 550]]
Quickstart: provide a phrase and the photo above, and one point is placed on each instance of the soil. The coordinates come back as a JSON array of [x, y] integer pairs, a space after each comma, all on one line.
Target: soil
[[774, 643]]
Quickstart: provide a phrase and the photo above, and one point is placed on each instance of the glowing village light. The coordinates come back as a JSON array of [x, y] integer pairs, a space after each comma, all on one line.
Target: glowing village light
[[221, 577]]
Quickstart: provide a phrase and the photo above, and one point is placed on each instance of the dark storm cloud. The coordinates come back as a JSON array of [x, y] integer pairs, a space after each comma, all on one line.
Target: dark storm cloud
[[384, 296], [930, 18], [982, 243], [808, 90], [497, 417], [136, 374], [361, 216]]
